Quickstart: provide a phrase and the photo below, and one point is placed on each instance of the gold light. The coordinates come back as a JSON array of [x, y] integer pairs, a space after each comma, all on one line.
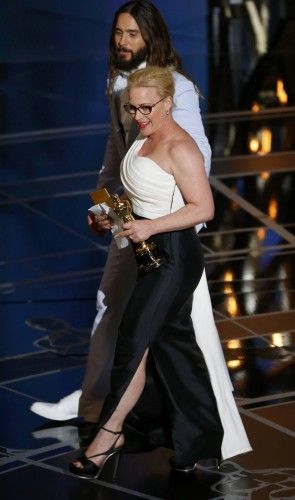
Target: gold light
[[232, 306], [261, 142], [231, 301], [277, 340], [261, 232], [273, 209], [228, 276], [265, 175], [255, 107], [266, 140], [254, 145], [281, 93], [234, 363], [234, 344]]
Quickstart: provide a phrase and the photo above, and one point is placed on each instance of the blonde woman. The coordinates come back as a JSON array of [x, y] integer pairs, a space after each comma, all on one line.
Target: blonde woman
[[164, 177]]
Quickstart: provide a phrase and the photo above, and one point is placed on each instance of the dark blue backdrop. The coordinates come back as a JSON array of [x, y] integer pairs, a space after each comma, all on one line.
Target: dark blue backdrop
[[53, 57]]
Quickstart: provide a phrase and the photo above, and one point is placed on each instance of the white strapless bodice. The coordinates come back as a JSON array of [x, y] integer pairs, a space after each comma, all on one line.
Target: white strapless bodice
[[151, 190]]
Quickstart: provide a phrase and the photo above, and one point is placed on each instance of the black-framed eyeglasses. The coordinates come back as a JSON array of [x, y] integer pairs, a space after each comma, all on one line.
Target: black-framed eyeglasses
[[144, 109]]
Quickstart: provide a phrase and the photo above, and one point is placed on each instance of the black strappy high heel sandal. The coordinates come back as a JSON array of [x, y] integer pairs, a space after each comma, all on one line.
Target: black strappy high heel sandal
[[89, 469]]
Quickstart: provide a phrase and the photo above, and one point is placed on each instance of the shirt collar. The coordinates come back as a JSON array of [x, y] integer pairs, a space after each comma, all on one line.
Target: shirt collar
[[125, 74]]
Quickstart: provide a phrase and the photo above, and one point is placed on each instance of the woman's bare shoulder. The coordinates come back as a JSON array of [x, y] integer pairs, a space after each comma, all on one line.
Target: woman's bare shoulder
[[183, 145]]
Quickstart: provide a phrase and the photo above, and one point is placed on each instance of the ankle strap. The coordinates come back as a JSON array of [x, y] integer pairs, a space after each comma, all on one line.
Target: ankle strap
[[112, 432]]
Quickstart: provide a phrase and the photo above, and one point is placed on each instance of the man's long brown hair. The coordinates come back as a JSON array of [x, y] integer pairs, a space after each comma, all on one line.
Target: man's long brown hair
[[155, 34]]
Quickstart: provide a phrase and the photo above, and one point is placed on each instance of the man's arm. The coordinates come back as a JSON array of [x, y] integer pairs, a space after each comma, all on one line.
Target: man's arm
[[109, 175], [186, 112]]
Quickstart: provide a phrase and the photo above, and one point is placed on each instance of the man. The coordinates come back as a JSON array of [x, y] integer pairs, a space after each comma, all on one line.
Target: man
[[139, 36]]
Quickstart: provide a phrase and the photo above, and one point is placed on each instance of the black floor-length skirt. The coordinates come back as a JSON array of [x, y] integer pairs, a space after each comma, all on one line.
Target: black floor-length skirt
[[177, 407]]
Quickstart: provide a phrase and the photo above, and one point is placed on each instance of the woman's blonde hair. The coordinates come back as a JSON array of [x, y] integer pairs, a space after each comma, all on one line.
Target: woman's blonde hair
[[153, 76]]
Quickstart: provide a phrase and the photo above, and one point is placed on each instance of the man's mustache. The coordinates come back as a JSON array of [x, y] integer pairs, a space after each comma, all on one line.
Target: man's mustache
[[122, 49]]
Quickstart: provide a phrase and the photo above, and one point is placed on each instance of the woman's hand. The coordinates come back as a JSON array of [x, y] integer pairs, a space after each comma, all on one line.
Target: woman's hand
[[137, 230], [99, 223]]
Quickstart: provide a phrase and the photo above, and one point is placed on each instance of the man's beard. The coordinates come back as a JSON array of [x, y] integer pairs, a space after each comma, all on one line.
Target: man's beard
[[136, 59]]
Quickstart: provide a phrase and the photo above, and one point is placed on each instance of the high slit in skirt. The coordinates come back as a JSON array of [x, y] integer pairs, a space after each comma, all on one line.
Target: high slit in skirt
[[177, 407]]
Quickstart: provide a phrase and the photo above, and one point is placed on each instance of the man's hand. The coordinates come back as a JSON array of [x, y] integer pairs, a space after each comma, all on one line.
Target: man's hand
[[99, 223]]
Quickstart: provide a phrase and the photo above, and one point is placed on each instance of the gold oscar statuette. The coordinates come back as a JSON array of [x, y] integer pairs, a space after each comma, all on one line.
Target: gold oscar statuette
[[147, 253]]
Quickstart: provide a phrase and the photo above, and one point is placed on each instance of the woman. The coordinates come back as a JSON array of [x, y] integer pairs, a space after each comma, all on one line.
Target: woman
[[164, 177]]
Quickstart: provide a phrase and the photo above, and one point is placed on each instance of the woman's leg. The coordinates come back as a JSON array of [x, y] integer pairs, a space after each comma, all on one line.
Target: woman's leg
[[104, 440]]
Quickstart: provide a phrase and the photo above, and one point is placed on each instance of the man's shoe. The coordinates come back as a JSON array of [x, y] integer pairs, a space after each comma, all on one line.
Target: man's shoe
[[65, 409], [67, 434]]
